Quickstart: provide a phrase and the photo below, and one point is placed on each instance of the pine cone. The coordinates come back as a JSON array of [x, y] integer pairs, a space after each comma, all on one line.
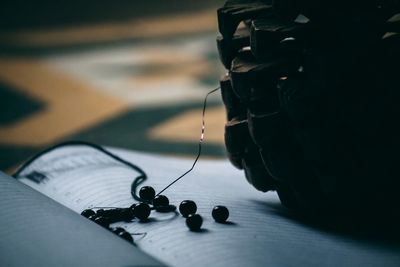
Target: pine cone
[[313, 100]]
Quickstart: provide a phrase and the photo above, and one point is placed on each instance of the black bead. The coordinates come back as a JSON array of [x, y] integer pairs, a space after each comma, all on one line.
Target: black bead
[[125, 235], [102, 221], [147, 193], [116, 215], [194, 222], [141, 211], [92, 217], [121, 232], [110, 212], [126, 215], [117, 230], [160, 201], [187, 207], [220, 214], [100, 212], [87, 213]]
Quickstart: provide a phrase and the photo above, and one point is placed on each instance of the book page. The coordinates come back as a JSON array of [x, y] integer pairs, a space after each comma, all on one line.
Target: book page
[[37, 231], [258, 233]]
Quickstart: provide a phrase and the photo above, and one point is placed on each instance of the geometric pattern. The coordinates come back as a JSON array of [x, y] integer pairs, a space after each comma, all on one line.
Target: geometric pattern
[[142, 92]]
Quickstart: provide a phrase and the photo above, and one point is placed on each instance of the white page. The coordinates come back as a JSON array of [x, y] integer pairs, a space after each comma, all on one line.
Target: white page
[[259, 234], [38, 232]]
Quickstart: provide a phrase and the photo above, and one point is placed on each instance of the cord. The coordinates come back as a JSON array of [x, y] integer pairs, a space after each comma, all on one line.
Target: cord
[[138, 180]]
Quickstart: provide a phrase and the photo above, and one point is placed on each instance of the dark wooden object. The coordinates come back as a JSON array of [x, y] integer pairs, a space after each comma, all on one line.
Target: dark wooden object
[[234, 12], [244, 154], [253, 80], [312, 101], [234, 107], [229, 47], [268, 35], [236, 139]]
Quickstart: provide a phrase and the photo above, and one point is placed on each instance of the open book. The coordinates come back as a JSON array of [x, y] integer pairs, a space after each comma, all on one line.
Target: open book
[[259, 232]]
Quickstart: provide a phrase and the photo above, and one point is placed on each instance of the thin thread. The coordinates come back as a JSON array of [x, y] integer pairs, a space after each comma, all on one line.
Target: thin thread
[[203, 127], [145, 233], [139, 179]]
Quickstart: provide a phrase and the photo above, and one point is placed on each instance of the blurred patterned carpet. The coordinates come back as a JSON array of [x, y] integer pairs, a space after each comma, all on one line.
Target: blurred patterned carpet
[[136, 83]]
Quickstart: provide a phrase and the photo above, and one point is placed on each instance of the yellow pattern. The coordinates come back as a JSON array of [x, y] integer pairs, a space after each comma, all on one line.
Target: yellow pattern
[[187, 126], [71, 105]]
